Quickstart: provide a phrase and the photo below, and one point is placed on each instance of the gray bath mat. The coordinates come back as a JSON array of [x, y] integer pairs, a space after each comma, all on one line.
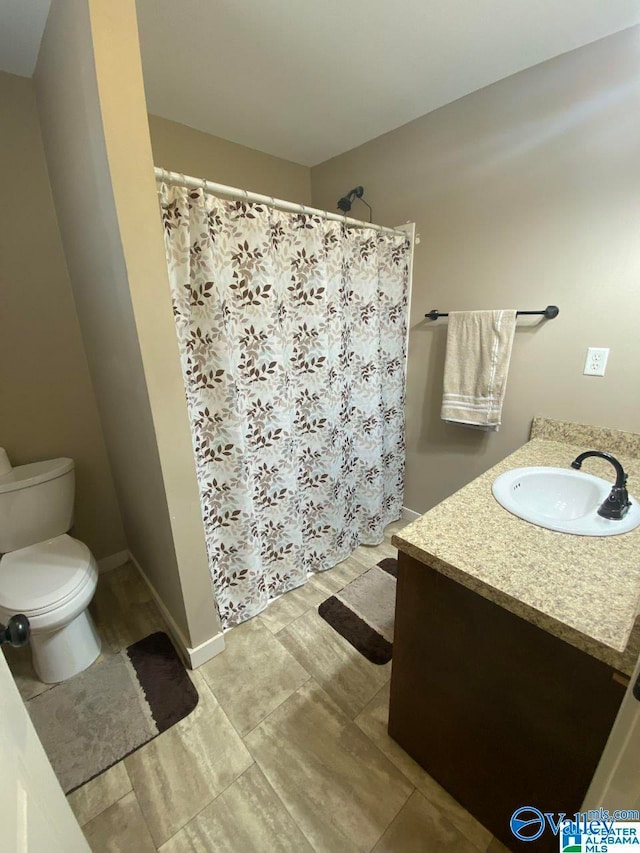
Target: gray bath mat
[[363, 612], [92, 721]]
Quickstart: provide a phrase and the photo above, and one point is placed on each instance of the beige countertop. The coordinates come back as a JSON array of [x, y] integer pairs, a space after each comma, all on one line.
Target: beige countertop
[[583, 589]]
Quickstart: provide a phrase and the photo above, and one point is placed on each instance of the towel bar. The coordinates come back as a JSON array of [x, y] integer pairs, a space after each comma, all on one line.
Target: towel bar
[[549, 313]]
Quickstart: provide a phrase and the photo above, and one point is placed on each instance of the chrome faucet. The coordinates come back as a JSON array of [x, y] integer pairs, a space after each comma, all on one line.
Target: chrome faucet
[[617, 504]]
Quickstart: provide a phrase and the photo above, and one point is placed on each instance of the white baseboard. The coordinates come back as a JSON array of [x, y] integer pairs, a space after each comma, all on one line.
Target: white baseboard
[[113, 561], [193, 657], [207, 650], [409, 514]]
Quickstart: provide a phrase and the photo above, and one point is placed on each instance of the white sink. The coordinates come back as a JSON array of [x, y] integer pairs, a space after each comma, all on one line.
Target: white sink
[[561, 499]]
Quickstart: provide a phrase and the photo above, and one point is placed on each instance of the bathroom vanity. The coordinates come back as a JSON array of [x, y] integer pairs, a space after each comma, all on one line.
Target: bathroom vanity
[[514, 644]]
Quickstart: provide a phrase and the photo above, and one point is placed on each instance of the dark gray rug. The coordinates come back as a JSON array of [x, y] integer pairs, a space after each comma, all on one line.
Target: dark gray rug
[[363, 612], [90, 722]]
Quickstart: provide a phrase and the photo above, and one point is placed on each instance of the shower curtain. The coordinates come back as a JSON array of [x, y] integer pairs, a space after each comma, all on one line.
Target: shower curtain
[[292, 334]]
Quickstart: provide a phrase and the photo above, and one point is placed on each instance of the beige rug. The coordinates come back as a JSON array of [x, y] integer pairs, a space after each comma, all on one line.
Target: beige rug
[[363, 612], [92, 721]]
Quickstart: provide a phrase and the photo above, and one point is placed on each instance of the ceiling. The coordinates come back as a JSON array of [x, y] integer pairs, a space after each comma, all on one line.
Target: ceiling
[[309, 80], [21, 27]]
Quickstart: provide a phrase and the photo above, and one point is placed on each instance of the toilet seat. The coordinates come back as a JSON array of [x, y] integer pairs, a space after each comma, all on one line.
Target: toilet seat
[[47, 579]]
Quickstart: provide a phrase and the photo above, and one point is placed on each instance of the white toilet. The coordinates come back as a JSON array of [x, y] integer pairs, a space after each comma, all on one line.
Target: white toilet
[[44, 573]]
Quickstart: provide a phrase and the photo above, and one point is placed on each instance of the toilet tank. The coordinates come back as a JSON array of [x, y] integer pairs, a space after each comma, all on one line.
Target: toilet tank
[[36, 501]]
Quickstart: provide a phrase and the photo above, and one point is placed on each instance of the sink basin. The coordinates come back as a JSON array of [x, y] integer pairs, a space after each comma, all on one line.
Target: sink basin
[[561, 499]]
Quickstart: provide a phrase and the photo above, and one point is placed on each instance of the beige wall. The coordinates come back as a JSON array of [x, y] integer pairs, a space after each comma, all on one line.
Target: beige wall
[[182, 149], [92, 109], [47, 404], [525, 193]]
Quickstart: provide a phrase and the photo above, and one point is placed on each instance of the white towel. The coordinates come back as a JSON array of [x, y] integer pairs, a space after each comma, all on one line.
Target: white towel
[[477, 363]]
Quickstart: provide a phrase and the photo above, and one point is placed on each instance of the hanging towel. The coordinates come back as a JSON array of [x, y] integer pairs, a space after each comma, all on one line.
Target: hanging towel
[[476, 366]]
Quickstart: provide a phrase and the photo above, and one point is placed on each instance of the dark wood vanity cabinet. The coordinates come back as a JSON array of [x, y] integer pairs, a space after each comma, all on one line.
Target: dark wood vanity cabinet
[[501, 713]]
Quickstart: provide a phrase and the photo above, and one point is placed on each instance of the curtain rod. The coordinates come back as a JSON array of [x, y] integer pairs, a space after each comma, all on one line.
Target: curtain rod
[[211, 187]]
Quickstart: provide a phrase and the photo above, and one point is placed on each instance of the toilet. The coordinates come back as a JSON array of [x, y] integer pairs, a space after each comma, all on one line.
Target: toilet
[[46, 574]]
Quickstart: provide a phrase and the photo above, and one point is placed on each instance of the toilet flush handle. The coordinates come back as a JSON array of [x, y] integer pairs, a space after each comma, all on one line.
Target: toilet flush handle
[[17, 631]]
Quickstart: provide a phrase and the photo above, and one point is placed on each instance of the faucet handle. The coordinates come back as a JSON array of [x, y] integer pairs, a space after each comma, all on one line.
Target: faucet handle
[[615, 507]]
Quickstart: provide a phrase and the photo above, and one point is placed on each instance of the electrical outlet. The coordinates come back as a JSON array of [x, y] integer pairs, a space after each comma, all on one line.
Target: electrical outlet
[[596, 361]]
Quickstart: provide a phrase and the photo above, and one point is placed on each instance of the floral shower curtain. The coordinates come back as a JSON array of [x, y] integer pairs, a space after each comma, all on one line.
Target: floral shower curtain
[[292, 334]]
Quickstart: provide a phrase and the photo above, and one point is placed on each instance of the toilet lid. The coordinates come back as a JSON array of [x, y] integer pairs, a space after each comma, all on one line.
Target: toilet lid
[[42, 576]]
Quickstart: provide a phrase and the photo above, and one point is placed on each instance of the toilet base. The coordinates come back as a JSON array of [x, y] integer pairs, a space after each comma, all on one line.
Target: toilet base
[[61, 654]]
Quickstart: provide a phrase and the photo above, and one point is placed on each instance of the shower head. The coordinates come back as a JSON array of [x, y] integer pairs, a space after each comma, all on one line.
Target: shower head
[[344, 203]]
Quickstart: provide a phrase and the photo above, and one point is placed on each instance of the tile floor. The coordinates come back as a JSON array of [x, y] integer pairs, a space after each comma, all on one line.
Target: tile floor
[[287, 749]]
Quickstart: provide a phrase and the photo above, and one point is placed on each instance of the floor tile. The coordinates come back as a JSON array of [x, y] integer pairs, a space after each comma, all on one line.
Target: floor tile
[[339, 788], [346, 785], [370, 555], [421, 828], [373, 722], [246, 818], [388, 549], [496, 847], [284, 610], [394, 527], [290, 606], [120, 829], [182, 770], [253, 675], [100, 793], [342, 574], [367, 556], [327, 581], [27, 682], [123, 609], [348, 677]]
